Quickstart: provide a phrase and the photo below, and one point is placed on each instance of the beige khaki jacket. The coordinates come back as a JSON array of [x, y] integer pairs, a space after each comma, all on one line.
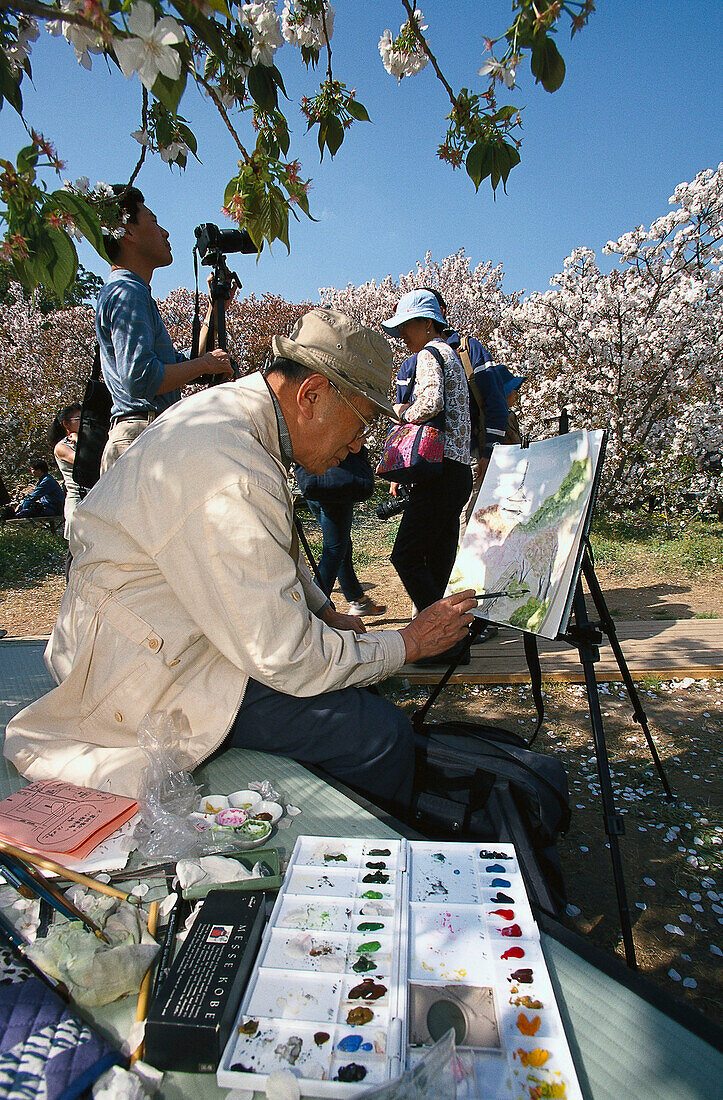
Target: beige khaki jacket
[[186, 581]]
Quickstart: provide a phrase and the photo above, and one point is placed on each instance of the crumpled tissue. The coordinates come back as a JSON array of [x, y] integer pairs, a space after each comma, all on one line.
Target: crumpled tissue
[[96, 973], [211, 869]]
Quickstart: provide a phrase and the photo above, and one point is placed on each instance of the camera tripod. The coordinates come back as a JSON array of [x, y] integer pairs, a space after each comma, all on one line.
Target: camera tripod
[[223, 281]]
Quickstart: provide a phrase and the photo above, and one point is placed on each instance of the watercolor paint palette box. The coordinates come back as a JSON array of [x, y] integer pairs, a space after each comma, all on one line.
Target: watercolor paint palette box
[[375, 949]]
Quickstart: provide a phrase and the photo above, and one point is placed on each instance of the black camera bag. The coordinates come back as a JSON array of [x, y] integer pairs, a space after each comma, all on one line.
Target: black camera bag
[[94, 428], [464, 771]]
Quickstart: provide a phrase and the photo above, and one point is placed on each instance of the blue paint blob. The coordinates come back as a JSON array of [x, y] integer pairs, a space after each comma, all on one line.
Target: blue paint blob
[[367, 1046], [456, 870], [501, 882], [495, 869], [350, 1043]]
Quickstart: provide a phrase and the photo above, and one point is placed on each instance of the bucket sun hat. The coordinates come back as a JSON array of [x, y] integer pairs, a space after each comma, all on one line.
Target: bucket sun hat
[[510, 382], [417, 303], [345, 352]]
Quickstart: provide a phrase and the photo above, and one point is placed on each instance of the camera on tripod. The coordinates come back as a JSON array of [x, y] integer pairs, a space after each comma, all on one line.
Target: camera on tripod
[[213, 243], [211, 247], [394, 505]]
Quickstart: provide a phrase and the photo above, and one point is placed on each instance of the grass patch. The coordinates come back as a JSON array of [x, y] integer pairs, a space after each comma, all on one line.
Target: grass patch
[[29, 556], [639, 541]]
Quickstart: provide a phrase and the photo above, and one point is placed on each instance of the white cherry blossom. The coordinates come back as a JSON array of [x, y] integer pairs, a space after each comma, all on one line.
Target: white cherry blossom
[[263, 22], [299, 28], [150, 50]]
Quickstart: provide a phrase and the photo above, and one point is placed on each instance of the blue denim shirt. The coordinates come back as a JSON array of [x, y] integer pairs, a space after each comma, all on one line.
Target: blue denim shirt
[[134, 345]]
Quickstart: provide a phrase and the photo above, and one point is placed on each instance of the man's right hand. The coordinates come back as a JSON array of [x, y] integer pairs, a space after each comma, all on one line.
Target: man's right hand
[[439, 626], [217, 361]]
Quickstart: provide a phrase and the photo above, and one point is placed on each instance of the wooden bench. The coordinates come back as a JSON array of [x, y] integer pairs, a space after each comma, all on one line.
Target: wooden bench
[[55, 523]]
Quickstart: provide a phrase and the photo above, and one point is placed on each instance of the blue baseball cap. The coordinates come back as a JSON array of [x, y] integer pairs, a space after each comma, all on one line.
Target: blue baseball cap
[[417, 303], [510, 382]]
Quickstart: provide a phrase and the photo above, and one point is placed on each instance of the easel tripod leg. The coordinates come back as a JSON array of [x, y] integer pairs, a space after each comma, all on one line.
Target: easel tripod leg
[[608, 628], [613, 822]]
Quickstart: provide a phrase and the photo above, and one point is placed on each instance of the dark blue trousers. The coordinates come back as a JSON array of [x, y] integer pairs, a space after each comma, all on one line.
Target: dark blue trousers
[[353, 734], [336, 554]]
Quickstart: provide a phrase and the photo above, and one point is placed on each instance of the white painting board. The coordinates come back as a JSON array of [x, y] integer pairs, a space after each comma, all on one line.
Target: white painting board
[[525, 534]]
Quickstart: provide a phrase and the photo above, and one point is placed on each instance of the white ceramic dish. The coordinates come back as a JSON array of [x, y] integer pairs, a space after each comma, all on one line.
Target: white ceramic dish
[[273, 809], [244, 800], [212, 803]]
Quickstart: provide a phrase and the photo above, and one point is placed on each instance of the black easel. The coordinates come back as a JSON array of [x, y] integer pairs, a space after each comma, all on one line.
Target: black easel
[[586, 637]]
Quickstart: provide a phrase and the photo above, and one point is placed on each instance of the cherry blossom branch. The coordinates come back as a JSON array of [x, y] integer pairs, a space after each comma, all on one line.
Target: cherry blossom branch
[[425, 48]]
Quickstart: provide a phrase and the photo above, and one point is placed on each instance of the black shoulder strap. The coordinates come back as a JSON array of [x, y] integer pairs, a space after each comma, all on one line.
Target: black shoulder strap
[[532, 657], [95, 370]]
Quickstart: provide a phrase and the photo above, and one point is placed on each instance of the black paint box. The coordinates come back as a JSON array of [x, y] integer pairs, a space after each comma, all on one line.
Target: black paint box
[[190, 1020]]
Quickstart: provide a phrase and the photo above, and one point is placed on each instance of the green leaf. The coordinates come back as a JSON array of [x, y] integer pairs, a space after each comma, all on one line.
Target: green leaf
[[64, 267], [278, 79], [504, 114], [189, 138], [9, 86], [479, 162], [547, 64], [27, 159], [82, 214], [262, 87], [169, 92], [357, 110], [334, 134], [504, 158]]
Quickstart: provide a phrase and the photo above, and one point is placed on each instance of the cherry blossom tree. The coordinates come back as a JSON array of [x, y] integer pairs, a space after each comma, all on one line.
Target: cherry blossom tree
[[637, 351], [45, 359], [476, 303], [250, 323], [228, 50]]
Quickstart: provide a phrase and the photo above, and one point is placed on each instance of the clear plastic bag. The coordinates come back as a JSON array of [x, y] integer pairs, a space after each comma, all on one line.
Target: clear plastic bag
[[167, 794]]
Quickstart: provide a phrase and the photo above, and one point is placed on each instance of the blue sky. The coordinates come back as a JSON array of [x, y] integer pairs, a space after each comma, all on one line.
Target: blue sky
[[640, 110]]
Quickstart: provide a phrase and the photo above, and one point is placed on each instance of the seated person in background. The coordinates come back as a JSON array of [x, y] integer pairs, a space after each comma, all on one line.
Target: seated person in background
[[188, 594], [46, 499], [141, 367]]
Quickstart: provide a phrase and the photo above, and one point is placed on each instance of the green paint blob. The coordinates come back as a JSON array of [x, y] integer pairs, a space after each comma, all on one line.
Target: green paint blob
[[363, 964], [373, 894], [369, 947], [370, 926]]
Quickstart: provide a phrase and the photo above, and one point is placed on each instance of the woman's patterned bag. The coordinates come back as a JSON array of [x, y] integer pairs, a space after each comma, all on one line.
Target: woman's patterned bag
[[414, 452]]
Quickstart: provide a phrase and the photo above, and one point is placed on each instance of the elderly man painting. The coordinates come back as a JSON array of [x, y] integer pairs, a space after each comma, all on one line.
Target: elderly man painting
[[188, 594]]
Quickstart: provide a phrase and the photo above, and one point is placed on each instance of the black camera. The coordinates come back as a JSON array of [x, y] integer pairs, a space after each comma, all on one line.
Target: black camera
[[394, 505], [213, 243]]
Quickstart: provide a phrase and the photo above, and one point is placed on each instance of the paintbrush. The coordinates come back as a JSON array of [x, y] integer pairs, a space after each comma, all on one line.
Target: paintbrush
[[143, 994], [38, 860], [44, 888], [497, 595]]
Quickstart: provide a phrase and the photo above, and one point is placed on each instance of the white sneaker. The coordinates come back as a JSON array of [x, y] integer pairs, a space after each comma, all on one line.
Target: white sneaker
[[366, 606]]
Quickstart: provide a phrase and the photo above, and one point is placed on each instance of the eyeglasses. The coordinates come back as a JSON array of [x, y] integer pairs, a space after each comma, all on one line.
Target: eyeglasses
[[368, 425]]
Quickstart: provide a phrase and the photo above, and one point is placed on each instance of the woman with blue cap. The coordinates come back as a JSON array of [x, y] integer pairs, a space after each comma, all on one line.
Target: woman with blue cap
[[426, 542]]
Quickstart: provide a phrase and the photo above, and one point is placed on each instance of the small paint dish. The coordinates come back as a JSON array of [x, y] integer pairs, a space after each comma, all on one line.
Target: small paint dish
[[244, 800], [267, 811], [212, 803], [252, 833], [233, 816]]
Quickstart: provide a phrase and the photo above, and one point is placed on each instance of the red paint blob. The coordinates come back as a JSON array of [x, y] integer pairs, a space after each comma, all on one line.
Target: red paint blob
[[513, 953], [513, 930], [506, 914]]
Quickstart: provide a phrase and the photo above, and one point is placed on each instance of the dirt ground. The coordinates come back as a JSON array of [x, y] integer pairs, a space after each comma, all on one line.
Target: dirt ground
[[672, 852]]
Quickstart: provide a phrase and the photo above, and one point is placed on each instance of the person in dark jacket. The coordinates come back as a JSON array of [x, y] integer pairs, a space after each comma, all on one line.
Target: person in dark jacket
[[46, 499]]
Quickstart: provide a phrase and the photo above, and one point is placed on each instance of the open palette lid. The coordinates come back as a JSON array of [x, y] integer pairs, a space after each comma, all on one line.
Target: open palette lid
[[375, 949]]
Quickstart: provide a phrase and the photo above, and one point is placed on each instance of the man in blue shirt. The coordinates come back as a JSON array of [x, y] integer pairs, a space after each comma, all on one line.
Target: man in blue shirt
[[141, 367], [46, 499]]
